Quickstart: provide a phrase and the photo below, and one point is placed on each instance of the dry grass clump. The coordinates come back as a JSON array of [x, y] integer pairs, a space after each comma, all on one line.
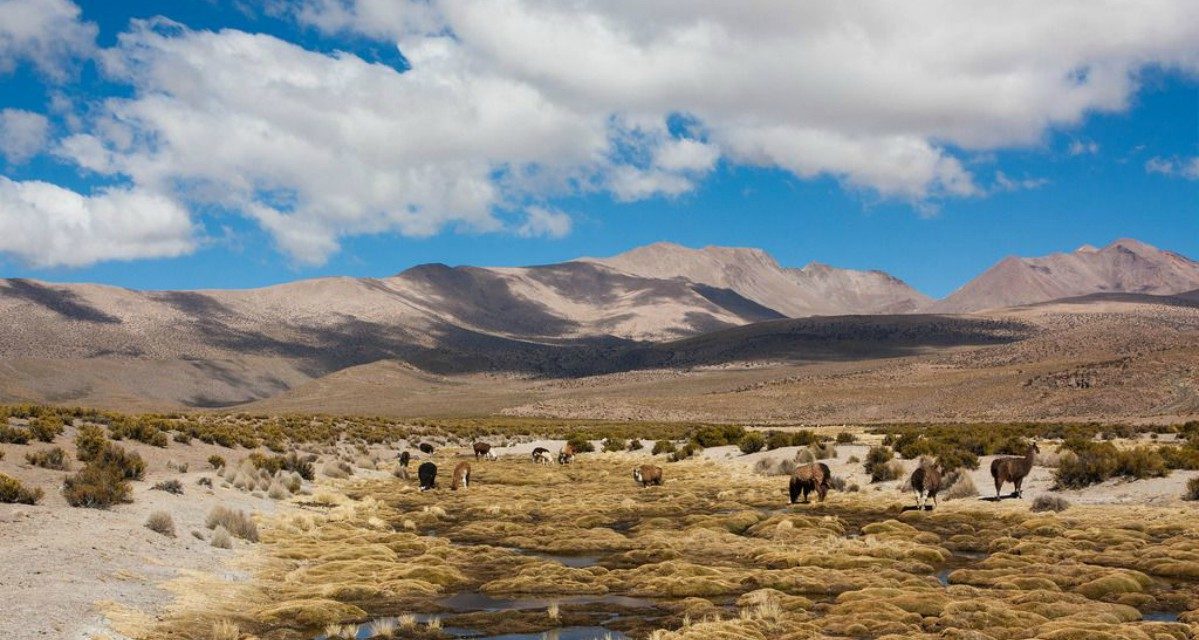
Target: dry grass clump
[[225, 630], [1192, 492], [53, 458], [235, 522], [221, 538], [959, 485], [161, 522], [170, 486], [1046, 502], [12, 491]]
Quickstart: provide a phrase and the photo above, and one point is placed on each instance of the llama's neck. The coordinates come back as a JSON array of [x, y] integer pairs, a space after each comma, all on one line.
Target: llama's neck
[[1029, 458]]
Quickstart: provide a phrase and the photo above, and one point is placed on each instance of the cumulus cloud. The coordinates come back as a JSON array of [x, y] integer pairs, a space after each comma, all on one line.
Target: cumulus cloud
[[1187, 168], [510, 103], [23, 134], [48, 226], [542, 222], [47, 33]]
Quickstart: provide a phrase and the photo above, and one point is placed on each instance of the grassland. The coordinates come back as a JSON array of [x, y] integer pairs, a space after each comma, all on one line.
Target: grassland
[[713, 553]]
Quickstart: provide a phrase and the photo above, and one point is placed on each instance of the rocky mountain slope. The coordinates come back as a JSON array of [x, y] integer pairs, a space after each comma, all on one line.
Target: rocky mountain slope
[[1124, 266]]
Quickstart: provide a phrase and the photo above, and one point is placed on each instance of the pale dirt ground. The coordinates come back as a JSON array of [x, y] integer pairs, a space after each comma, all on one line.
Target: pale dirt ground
[[61, 567]]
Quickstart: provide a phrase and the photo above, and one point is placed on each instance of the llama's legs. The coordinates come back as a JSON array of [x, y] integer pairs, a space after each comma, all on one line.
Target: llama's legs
[[998, 486], [1019, 493]]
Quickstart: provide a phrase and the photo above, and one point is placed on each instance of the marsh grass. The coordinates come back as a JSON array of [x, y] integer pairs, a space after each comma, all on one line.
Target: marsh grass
[[711, 536]]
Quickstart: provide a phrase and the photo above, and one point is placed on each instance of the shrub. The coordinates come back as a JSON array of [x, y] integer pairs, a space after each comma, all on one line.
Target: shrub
[[1180, 457], [235, 522], [1192, 492], [1090, 463], [205, 482], [215, 461], [182, 437], [46, 428], [580, 443], [959, 485], [12, 491], [823, 450], [777, 440], [130, 464], [289, 462], [752, 442], [635, 445], [96, 486], [1045, 502], [718, 435], [892, 470], [13, 435], [161, 522], [853, 460], [805, 456], [614, 444], [53, 458], [170, 486], [687, 451], [664, 446], [89, 442], [846, 437], [1140, 463], [221, 538], [876, 459]]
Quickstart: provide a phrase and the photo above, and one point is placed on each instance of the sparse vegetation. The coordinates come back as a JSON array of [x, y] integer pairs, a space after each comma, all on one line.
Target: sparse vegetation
[[97, 485], [663, 446], [53, 458], [12, 491], [236, 523], [635, 445], [1192, 492], [170, 486], [1046, 502], [846, 437], [752, 442], [161, 522], [580, 442], [614, 444], [46, 428], [215, 461], [89, 442], [1087, 462], [878, 464]]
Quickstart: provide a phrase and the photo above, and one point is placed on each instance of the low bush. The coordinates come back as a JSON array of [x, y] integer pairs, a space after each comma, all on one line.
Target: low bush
[[853, 460], [580, 443], [13, 435], [89, 442], [46, 428], [824, 450], [96, 486], [876, 460], [235, 522], [1046, 502], [221, 538], [129, 463], [53, 458], [718, 435], [161, 522], [182, 437], [892, 470], [959, 485], [614, 444], [846, 437], [289, 462], [170, 486], [664, 446], [12, 491], [1192, 492], [635, 445], [1087, 462], [215, 461], [752, 442], [687, 450]]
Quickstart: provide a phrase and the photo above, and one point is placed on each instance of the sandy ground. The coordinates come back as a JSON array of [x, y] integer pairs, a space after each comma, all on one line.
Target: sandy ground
[[62, 568]]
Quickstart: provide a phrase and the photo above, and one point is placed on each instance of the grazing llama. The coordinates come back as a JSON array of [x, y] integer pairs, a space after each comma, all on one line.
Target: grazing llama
[[648, 474], [808, 478], [1013, 470], [926, 482]]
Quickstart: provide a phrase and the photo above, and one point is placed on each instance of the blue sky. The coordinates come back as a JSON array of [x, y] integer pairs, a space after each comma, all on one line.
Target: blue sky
[[459, 146]]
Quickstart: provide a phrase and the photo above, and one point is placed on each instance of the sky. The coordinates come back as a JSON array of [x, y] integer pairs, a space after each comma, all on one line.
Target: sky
[[236, 143]]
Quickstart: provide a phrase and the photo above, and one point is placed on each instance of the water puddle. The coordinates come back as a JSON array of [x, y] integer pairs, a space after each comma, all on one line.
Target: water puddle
[[573, 561], [959, 560], [565, 633], [1160, 616], [469, 601]]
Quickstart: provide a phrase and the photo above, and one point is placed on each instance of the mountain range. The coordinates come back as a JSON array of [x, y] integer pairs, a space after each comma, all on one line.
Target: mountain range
[[644, 308]]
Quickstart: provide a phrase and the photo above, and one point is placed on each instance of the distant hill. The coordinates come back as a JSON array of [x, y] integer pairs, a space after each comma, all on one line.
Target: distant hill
[[1124, 266]]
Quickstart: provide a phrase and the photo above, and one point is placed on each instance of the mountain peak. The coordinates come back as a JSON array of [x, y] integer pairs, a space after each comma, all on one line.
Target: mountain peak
[[1086, 248]]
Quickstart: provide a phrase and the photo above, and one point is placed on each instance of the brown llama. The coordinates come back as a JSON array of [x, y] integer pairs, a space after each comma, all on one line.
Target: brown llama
[[461, 476], [808, 478], [567, 454], [648, 474], [926, 482], [1013, 470], [483, 450]]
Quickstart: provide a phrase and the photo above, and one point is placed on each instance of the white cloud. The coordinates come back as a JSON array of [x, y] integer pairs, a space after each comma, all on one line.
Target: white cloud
[[1004, 183], [510, 103], [48, 226], [23, 134], [542, 222], [1083, 147], [47, 33], [1187, 168]]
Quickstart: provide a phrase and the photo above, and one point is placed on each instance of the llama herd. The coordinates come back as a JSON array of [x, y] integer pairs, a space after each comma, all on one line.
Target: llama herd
[[926, 481]]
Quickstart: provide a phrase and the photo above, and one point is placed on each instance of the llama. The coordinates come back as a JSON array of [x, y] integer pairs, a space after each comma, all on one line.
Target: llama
[[1013, 470], [426, 448], [461, 476], [808, 478], [648, 474], [483, 450], [567, 454], [427, 472], [541, 455], [926, 482], [405, 458]]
